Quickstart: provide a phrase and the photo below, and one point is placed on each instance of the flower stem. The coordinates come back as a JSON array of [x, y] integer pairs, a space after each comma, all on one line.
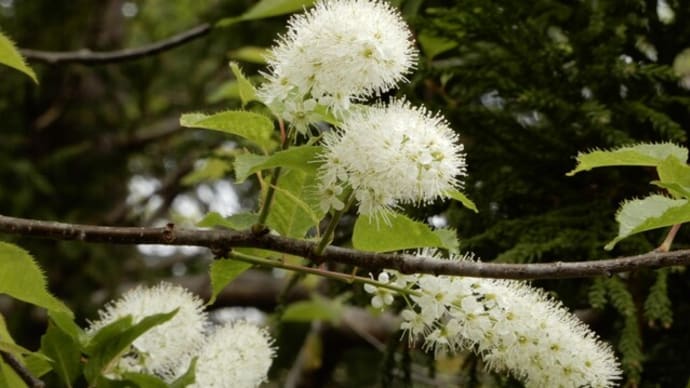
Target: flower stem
[[343, 277], [285, 141], [327, 237]]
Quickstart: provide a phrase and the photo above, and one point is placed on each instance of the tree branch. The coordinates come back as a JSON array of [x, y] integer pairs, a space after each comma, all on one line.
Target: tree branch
[[88, 57], [21, 370], [220, 240]]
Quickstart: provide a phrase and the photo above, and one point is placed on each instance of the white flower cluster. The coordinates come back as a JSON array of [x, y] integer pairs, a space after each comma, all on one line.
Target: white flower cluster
[[390, 155], [512, 326], [235, 355], [338, 52]]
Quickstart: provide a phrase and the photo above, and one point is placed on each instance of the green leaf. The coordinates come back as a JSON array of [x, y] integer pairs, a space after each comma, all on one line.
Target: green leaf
[[9, 378], [637, 155], [65, 352], [65, 322], [21, 278], [10, 56], [240, 221], [295, 208], [433, 45], [188, 378], [462, 198], [266, 9], [449, 239], [318, 308], [252, 126], [35, 362], [655, 211], [110, 341], [303, 158], [674, 175], [140, 380], [245, 163], [211, 169], [399, 233], [246, 89], [251, 54], [222, 272]]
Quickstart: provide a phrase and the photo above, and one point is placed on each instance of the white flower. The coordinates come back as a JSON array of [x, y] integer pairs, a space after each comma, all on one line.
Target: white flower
[[337, 52], [390, 155], [237, 355], [514, 327], [382, 296], [164, 347]]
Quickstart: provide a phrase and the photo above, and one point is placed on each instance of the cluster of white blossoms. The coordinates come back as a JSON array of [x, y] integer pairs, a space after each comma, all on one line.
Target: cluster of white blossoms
[[236, 355], [514, 327], [390, 155], [338, 52]]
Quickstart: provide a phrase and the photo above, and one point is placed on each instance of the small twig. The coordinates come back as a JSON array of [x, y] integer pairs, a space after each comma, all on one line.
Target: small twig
[[666, 245], [404, 263], [88, 57], [21, 371]]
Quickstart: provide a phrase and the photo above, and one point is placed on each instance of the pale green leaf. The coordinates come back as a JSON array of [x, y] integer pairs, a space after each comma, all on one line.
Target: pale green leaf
[[222, 272], [674, 175], [240, 221], [462, 198], [266, 9], [64, 351], [210, 169], [303, 158], [252, 126], [295, 208], [433, 45], [21, 278], [246, 163], [655, 211], [245, 88], [637, 155], [252, 54], [9, 378], [10, 56], [449, 239], [399, 233], [318, 308]]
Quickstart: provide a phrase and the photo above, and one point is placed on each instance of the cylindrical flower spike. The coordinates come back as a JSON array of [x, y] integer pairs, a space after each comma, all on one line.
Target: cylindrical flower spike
[[338, 52], [514, 327], [391, 155]]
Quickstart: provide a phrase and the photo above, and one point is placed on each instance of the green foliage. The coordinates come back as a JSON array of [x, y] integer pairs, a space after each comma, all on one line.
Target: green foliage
[[318, 308], [265, 9], [65, 352], [630, 341], [657, 306], [111, 341], [302, 158], [222, 272], [395, 232], [637, 155], [21, 278], [245, 88], [462, 198], [10, 56], [252, 126], [295, 208], [239, 221]]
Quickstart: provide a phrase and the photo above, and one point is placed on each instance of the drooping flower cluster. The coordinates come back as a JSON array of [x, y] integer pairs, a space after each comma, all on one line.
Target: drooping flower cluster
[[338, 52], [237, 355], [234, 355], [390, 155], [512, 326]]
